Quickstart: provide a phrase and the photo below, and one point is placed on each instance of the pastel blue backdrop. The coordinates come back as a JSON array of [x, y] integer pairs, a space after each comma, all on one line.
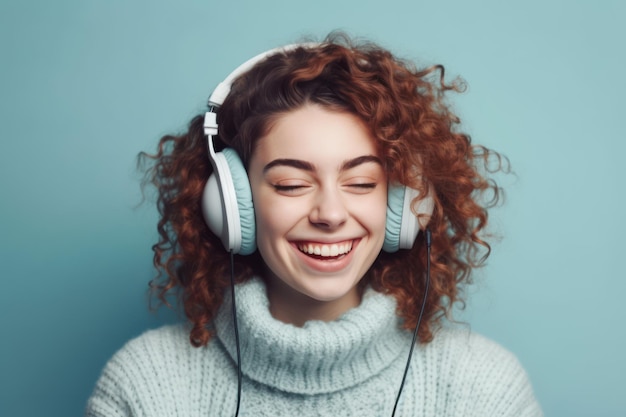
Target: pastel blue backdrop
[[85, 85]]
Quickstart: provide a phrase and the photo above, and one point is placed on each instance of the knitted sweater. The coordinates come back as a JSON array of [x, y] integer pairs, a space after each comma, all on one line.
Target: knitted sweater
[[349, 367]]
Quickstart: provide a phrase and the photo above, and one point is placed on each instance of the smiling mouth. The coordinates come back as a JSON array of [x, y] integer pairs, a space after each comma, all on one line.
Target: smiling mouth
[[326, 251]]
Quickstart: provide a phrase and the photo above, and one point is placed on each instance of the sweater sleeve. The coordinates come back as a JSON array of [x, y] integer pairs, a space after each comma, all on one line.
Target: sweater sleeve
[[495, 383], [139, 379], [112, 396]]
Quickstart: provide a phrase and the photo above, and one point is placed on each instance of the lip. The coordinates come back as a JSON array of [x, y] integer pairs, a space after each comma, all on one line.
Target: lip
[[326, 265]]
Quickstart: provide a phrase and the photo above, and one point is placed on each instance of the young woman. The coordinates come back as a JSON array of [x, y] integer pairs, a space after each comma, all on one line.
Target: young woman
[[336, 156]]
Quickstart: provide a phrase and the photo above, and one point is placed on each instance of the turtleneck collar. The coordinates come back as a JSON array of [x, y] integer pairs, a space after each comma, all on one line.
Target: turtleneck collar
[[320, 357]]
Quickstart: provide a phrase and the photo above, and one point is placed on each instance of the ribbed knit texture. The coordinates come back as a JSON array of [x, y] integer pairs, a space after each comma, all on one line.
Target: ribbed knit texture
[[350, 367]]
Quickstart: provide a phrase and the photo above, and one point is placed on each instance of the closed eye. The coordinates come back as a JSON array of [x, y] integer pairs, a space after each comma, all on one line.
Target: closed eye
[[288, 188], [368, 185], [361, 187]]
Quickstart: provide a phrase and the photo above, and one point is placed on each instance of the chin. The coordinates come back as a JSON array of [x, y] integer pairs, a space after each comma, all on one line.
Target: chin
[[330, 289]]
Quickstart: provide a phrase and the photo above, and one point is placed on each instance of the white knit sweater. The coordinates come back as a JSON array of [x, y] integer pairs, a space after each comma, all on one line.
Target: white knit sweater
[[350, 367]]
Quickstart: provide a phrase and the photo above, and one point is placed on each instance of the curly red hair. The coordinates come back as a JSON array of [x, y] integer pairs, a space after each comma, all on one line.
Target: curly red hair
[[405, 111]]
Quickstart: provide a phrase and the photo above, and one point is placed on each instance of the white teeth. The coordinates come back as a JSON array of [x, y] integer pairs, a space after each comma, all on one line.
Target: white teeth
[[331, 250]]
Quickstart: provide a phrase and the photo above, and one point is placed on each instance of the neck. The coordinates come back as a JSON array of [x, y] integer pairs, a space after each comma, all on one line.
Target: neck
[[292, 307]]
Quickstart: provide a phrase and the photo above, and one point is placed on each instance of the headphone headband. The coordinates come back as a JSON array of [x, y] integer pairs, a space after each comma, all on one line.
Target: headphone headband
[[221, 91], [217, 97]]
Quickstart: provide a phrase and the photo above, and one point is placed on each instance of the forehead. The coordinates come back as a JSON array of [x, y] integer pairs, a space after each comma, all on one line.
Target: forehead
[[316, 134]]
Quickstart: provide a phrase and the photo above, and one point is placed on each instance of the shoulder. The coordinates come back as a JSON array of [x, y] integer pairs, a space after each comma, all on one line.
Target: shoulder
[[165, 351], [465, 347], [151, 365], [153, 349], [170, 337], [482, 373]]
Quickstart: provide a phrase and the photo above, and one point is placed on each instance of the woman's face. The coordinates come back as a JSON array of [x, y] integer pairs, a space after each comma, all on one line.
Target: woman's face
[[320, 198]]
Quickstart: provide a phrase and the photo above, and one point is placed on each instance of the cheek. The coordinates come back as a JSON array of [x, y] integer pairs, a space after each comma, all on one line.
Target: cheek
[[274, 216], [267, 228], [374, 212]]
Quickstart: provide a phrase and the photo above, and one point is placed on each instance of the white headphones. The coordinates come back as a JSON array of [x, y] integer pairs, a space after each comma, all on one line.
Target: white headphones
[[227, 199]]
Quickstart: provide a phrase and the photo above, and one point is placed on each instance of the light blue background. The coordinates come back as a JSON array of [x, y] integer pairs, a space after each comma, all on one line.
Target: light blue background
[[85, 85]]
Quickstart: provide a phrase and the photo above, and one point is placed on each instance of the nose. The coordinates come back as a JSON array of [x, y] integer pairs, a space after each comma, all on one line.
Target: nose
[[329, 210]]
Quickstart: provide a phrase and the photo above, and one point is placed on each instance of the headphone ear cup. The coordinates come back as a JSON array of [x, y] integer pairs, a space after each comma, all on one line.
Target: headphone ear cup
[[402, 225], [227, 204], [244, 201], [395, 209]]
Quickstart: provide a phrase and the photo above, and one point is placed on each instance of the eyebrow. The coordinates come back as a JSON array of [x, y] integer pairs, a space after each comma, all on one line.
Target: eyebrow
[[295, 163], [351, 163], [307, 166]]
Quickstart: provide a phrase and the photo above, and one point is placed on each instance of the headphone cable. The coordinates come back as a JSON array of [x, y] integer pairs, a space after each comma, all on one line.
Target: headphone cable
[[234, 311], [419, 320]]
